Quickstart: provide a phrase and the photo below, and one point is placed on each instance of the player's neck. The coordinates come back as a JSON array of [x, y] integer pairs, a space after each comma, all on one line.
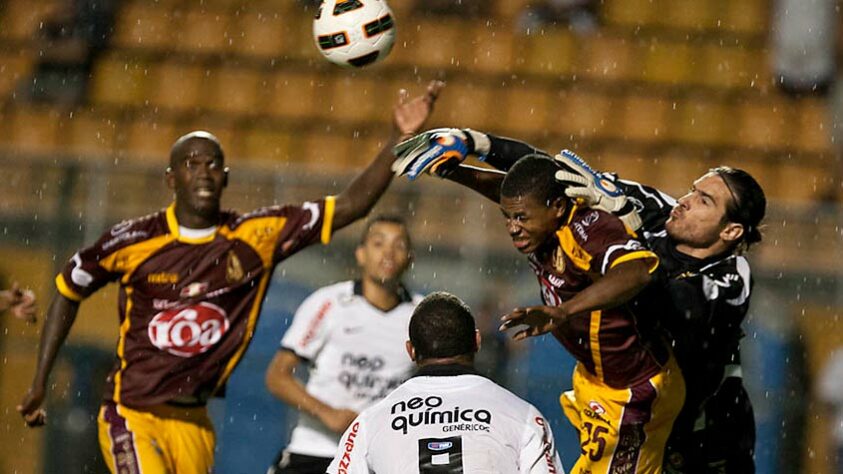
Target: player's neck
[[193, 220], [466, 360], [384, 296]]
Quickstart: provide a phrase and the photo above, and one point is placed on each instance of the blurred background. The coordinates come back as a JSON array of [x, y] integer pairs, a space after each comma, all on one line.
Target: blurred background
[[94, 92]]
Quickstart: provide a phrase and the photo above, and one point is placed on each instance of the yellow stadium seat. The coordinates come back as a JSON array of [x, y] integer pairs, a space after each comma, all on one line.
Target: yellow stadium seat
[[118, 80], [508, 10], [269, 144], [667, 63], [260, 33], [177, 85], [493, 49], [358, 99], [579, 114], [764, 124], [728, 67], [296, 95], [235, 90], [326, 150], [745, 16], [800, 179], [147, 139], [35, 129], [14, 69], [645, 118], [675, 169], [814, 126], [470, 104], [526, 109], [90, 134], [693, 15], [628, 162], [630, 13], [550, 52], [143, 24], [436, 43], [702, 121], [201, 30], [22, 18], [608, 57]]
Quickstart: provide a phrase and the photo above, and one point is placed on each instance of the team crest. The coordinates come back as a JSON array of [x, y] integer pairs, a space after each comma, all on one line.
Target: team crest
[[233, 268]]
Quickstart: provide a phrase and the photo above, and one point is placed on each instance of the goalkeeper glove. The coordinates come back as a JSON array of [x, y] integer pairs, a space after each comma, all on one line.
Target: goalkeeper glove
[[438, 152], [594, 190]]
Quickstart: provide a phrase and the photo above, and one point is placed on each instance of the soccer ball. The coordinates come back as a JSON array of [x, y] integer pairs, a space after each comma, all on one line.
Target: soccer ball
[[354, 33]]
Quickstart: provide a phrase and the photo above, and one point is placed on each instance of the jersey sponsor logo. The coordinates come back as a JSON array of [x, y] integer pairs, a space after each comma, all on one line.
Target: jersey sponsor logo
[[360, 378], [233, 268], [345, 462], [352, 329], [189, 331], [419, 411], [548, 290], [596, 407], [439, 445], [162, 278], [194, 289], [314, 324], [547, 445]]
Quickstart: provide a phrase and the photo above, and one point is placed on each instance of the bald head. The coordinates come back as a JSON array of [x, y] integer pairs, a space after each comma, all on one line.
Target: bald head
[[181, 147]]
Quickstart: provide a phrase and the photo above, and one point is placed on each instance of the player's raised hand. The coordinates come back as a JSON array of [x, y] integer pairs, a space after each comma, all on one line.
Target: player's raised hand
[[537, 319], [30, 407], [20, 302], [410, 115]]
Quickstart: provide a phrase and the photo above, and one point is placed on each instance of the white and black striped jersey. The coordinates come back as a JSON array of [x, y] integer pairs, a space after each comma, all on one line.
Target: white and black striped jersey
[[448, 420]]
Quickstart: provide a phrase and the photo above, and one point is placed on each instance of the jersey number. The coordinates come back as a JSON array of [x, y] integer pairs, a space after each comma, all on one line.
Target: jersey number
[[594, 443], [440, 455]]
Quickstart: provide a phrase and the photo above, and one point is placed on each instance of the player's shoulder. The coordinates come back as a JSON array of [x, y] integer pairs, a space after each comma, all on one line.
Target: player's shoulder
[[133, 231], [729, 278], [235, 219], [341, 291], [586, 221]]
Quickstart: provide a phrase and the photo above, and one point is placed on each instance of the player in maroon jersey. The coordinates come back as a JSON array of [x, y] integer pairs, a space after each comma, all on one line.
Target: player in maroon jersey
[[192, 280]]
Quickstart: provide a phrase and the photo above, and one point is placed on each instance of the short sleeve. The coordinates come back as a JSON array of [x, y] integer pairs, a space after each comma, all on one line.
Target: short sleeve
[[89, 269], [305, 225], [538, 449], [310, 328], [351, 456], [597, 241]]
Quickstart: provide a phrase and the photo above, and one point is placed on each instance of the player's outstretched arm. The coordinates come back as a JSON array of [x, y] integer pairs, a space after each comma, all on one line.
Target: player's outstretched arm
[[60, 318], [364, 191], [282, 383]]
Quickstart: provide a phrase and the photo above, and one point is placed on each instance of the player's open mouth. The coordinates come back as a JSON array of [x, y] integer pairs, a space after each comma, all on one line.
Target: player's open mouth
[[521, 244]]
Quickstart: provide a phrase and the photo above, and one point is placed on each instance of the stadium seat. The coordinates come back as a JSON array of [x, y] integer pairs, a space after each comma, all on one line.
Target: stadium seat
[[688, 15], [146, 139], [764, 124], [22, 18], [435, 43], [667, 63], [550, 52], [89, 134], [727, 67], [177, 85], [470, 103], [34, 129], [357, 97], [608, 57], [235, 90], [630, 14], [269, 144], [492, 49], [674, 170], [145, 25], [579, 114], [813, 126], [628, 162], [745, 16], [293, 94], [508, 10], [119, 81], [201, 31], [701, 120], [15, 67], [321, 150], [260, 33], [645, 118], [526, 109]]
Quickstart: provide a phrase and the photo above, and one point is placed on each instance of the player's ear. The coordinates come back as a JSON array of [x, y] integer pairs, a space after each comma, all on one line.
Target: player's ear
[[169, 178], [225, 176], [477, 340], [560, 205], [411, 351], [732, 232]]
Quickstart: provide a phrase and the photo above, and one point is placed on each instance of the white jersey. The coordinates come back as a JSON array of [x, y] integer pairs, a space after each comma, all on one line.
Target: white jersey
[[448, 420], [356, 352]]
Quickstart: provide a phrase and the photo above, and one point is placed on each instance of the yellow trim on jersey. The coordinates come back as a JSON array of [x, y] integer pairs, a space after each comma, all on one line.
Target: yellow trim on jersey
[[328, 220], [65, 289], [250, 330], [173, 224], [129, 258], [121, 345], [260, 233], [572, 249], [594, 342], [639, 254]]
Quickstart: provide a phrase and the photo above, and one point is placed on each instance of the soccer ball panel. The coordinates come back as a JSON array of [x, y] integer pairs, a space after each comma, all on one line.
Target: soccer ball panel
[[354, 33]]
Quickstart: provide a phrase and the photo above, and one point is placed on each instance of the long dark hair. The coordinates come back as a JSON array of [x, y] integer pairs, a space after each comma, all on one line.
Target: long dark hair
[[747, 206]]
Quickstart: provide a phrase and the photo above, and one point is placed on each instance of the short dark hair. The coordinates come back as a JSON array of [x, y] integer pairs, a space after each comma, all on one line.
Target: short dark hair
[[748, 204], [385, 218], [533, 175], [442, 326]]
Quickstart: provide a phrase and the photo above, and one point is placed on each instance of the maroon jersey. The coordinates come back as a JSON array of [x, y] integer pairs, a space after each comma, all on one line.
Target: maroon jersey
[[188, 306], [608, 343]]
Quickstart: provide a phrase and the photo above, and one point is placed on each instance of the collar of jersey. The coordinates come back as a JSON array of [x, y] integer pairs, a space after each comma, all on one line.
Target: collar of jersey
[[173, 225], [403, 294]]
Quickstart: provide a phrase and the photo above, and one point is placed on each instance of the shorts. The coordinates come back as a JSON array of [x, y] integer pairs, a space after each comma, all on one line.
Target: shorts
[[292, 463], [721, 441], [623, 430], [156, 440]]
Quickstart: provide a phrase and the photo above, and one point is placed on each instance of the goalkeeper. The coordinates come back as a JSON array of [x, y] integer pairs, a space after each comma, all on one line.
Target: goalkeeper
[[703, 277]]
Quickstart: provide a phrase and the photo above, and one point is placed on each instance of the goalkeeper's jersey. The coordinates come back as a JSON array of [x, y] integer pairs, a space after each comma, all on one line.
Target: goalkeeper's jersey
[[448, 419]]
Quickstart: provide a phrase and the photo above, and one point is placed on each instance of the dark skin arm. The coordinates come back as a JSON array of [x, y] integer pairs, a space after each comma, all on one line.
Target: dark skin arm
[[484, 181], [364, 191], [60, 318], [616, 287]]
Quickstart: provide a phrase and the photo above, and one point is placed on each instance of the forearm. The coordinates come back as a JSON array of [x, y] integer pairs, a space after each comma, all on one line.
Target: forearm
[[616, 287], [504, 152], [484, 181], [60, 318], [363, 192], [290, 390]]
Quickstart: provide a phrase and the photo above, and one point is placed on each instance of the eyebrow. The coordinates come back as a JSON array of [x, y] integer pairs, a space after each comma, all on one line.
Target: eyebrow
[[698, 190]]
